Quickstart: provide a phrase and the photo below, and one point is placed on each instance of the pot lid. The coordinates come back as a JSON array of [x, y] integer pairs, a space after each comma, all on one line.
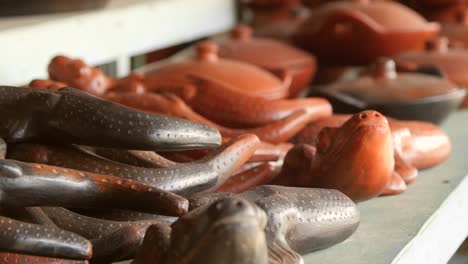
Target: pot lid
[[453, 62], [380, 15], [241, 76], [382, 84], [266, 53]]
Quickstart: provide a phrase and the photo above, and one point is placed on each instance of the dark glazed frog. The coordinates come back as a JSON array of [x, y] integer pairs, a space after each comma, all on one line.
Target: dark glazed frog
[[230, 230], [300, 220]]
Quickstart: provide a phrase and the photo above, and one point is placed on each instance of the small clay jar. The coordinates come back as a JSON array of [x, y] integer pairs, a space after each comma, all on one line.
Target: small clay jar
[[236, 75], [408, 96], [272, 55], [358, 32]]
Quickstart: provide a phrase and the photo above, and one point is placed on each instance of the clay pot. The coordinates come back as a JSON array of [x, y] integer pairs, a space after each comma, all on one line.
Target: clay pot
[[278, 24], [453, 62], [336, 32], [409, 96], [242, 77], [272, 55]]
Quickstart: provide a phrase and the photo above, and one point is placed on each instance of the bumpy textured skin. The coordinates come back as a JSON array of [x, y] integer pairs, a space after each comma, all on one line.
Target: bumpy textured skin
[[3, 149], [229, 231], [420, 144], [171, 105], [356, 158], [112, 240], [300, 220], [31, 239], [26, 184], [202, 175], [73, 116], [235, 109], [140, 158], [33, 215], [123, 215], [16, 258]]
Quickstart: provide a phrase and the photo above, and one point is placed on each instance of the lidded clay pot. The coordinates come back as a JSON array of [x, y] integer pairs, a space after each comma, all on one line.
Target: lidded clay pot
[[452, 62], [272, 55], [358, 32], [244, 77], [408, 96]]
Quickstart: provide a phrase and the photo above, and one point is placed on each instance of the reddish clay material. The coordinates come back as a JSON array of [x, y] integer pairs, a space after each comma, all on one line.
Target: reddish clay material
[[242, 77], [279, 23], [236, 109], [79, 75], [47, 84], [356, 158], [28, 184], [272, 55], [172, 105], [407, 95], [8, 257], [186, 179], [357, 22], [396, 185], [270, 152], [419, 144], [450, 61], [260, 175], [427, 146], [381, 84], [146, 159]]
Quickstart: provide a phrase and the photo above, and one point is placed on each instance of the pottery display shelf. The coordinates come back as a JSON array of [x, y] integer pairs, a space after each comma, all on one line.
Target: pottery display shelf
[[425, 224], [124, 28]]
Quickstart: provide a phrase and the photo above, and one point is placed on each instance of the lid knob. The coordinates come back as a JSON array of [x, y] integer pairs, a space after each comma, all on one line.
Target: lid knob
[[440, 44], [384, 68], [207, 51], [242, 32]]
